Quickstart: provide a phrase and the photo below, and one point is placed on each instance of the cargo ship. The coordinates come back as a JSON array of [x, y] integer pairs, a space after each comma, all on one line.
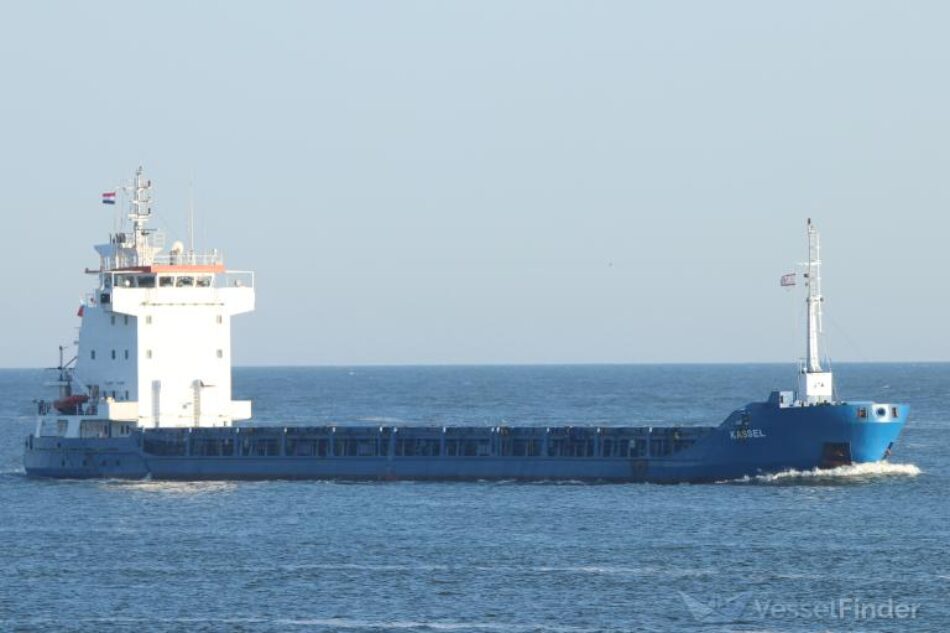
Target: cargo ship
[[148, 395]]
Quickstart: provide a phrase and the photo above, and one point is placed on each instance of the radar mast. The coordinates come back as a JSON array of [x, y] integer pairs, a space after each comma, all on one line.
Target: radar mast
[[815, 384]]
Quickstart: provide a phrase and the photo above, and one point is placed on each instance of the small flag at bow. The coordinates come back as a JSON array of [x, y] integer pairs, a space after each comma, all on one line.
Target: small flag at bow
[[108, 197], [787, 280]]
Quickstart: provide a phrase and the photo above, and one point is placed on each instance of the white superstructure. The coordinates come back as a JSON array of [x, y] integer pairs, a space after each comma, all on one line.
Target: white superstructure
[[154, 345], [815, 384]]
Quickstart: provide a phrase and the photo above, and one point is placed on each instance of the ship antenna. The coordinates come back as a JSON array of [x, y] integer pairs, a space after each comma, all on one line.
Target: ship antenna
[[814, 299], [191, 220], [139, 214], [816, 383]]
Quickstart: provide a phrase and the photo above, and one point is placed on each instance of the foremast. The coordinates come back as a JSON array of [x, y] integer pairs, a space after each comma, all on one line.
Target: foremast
[[815, 385]]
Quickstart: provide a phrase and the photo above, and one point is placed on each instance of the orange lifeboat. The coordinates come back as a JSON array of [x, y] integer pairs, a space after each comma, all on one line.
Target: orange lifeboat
[[70, 405]]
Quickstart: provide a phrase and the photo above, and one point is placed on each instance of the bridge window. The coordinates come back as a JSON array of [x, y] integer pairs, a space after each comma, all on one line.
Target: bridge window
[[146, 281], [183, 282], [203, 281], [166, 282]]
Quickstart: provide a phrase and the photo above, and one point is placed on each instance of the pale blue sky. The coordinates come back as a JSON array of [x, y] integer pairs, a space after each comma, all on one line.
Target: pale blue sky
[[493, 182]]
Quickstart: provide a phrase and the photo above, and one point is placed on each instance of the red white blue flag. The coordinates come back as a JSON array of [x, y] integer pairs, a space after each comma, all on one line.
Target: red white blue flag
[[787, 280], [108, 197]]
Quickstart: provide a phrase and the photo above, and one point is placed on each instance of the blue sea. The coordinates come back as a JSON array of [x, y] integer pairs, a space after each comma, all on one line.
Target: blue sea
[[856, 548]]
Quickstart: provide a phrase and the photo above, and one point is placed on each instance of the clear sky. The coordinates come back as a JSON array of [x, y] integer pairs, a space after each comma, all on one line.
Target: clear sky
[[494, 182]]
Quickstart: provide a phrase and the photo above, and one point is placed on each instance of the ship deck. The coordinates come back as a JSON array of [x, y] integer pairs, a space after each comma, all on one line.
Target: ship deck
[[421, 441]]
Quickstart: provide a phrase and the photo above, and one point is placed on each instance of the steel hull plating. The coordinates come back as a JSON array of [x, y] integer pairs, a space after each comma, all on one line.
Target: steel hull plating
[[760, 439]]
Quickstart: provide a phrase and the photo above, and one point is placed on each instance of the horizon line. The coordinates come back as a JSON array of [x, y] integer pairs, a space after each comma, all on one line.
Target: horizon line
[[537, 364]]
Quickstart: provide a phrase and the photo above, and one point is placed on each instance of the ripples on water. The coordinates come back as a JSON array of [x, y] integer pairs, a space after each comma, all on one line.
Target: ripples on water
[[492, 556]]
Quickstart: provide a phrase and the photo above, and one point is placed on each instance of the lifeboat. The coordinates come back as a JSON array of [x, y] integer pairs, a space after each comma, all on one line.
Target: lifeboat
[[70, 405]]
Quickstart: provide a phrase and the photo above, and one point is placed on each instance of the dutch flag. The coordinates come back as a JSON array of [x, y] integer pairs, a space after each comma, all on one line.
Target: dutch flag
[[108, 197]]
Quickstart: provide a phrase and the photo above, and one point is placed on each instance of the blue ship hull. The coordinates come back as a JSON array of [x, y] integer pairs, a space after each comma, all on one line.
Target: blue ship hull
[[761, 438]]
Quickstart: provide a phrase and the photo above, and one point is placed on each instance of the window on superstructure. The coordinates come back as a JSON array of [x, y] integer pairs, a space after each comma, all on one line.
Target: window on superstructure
[[125, 319], [148, 354], [112, 319], [146, 281], [184, 282], [92, 355], [220, 353], [148, 319], [220, 319], [126, 354], [203, 281], [113, 354], [166, 282]]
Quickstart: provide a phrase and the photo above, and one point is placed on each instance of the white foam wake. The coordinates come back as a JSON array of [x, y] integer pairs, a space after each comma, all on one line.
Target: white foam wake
[[852, 473]]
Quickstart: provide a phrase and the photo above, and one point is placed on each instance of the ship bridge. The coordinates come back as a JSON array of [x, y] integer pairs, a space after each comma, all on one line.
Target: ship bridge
[[155, 340]]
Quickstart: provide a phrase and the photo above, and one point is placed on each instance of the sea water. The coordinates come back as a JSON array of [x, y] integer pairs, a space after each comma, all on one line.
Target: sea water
[[853, 548]]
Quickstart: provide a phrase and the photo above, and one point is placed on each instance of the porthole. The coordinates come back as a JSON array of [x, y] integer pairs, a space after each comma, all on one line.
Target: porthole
[[881, 412]]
